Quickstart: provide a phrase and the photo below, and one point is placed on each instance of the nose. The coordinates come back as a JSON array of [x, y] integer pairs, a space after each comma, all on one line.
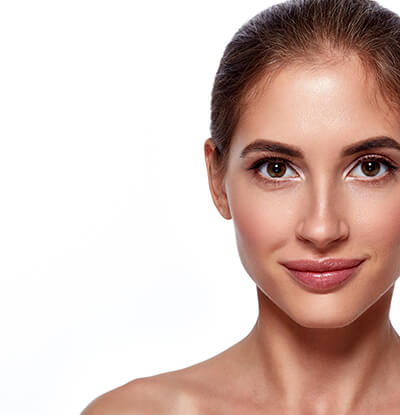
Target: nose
[[323, 221]]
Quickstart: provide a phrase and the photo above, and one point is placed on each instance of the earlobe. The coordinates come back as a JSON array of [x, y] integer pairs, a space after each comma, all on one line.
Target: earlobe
[[216, 180]]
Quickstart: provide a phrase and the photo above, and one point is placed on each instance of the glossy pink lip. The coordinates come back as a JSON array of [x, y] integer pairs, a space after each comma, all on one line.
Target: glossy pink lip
[[324, 274]]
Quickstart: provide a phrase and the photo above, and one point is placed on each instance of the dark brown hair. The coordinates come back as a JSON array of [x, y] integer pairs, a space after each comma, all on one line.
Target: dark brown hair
[[306, 32]]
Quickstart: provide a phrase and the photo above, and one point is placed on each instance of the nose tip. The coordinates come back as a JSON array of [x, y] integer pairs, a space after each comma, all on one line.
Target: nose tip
[[323, 216], [322, 231]]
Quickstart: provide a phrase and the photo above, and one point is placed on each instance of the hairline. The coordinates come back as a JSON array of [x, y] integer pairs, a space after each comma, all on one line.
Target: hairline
[[324, 57]]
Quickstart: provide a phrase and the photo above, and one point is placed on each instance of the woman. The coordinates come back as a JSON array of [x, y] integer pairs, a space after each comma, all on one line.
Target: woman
[[304, 157]]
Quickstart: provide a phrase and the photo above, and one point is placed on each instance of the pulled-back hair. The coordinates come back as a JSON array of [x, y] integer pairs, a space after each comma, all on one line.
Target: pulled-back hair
[[302, 32]]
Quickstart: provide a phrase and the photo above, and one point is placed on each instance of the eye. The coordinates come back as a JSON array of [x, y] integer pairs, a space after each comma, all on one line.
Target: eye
[[272, 169], [371, 166]]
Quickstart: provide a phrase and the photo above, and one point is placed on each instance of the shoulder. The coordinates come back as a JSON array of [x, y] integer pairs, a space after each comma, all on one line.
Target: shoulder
[[155, 395], [204, 388]]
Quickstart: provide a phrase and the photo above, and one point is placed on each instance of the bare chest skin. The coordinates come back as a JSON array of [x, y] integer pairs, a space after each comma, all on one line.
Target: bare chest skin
[[221, 386], [200, 404], [194, 391], [176, 393], [210, 403]]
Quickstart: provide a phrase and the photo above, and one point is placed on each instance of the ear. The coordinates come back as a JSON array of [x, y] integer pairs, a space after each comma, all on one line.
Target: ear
[[216, 180]]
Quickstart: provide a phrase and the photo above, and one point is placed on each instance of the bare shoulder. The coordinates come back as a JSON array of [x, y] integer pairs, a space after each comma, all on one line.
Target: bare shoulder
[[214, 386], [164, 394]]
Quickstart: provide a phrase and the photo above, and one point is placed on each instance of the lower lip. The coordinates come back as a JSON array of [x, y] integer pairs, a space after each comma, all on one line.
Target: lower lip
[[323, 281]]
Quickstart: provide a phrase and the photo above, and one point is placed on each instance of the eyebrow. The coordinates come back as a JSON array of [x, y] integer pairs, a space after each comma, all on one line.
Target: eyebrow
[[279, 147]]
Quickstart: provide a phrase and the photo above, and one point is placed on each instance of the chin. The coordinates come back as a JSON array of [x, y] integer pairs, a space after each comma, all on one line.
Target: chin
[[325, 319], [324, 324]]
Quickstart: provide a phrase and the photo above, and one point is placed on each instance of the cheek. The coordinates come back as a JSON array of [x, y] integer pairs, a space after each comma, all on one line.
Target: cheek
[[376, 222], [263, 220]]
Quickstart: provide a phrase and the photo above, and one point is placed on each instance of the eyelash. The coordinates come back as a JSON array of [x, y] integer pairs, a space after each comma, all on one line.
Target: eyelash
[[277, 182]]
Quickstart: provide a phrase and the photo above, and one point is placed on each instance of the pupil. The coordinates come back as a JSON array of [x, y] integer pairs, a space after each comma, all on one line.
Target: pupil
[[371, 167], [276, 169]]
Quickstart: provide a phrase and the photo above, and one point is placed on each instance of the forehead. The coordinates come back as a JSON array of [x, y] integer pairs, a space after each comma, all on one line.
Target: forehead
[[324, 105]]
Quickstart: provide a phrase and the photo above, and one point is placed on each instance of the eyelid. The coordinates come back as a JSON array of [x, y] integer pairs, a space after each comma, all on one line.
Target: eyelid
[[269, 159], [374, 157], [391, 166]]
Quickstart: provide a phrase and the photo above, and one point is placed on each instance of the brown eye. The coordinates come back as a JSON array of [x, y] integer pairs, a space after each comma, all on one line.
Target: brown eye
[[273, 168], [276, 169], [370, 168], [373, 166]]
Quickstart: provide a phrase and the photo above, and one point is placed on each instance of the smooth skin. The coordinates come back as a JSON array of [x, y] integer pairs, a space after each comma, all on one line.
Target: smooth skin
[[309, 353]]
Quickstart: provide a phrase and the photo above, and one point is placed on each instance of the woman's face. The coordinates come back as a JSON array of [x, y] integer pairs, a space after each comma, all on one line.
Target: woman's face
[[324, 204]]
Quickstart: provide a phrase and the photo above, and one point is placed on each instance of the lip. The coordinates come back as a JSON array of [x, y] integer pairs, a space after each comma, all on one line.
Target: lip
[[325, 274], [323, 265]]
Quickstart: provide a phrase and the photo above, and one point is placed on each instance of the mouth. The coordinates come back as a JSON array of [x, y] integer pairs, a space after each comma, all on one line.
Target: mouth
[[323, 275]]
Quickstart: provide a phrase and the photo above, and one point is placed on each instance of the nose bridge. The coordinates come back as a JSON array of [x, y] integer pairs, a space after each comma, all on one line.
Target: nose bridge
[[323, 219]]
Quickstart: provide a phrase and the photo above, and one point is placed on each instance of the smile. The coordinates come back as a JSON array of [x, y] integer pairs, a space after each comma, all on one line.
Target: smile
[[323, 275]]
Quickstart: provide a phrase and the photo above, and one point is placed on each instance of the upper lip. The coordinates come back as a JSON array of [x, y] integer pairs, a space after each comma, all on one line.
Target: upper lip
[[322, 265]]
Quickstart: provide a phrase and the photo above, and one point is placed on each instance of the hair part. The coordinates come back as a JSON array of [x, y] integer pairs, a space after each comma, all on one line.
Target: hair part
[[302, 32]]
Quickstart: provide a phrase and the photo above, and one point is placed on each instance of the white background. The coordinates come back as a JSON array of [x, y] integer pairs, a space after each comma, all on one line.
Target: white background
[[114, 262]]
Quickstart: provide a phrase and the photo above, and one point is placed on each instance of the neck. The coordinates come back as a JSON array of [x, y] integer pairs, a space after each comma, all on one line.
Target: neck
[[324, 370]]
